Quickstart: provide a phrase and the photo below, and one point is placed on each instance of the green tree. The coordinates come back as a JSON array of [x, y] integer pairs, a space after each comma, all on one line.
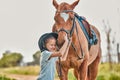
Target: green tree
[[36, 57], [10, 59]]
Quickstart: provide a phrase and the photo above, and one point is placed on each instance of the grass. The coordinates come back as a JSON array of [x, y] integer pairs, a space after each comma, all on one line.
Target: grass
[[108, 73], [105, 72], [71, 75], [3, 77], [28, 70]]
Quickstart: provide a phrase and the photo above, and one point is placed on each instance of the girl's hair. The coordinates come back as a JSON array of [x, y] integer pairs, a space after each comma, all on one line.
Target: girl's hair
[[46, 41]]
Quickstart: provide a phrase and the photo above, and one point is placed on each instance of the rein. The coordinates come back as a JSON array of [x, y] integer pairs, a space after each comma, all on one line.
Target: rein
[[71, 33]]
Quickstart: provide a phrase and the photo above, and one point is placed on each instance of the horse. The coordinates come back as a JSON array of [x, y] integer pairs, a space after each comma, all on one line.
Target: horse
[[84, 60]]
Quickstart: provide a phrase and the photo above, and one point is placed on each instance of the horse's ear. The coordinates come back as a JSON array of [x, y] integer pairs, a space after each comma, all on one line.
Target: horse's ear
[[74, 4], [55, 4]]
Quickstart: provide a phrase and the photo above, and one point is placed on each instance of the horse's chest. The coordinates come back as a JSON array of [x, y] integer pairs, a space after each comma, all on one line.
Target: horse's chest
[[72, 62]]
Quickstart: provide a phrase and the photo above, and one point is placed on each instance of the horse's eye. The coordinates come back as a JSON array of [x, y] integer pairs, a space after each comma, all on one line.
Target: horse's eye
[[56, 31]]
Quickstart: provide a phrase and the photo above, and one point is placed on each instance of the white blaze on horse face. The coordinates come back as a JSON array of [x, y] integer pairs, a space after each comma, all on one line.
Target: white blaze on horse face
[[65, 16]]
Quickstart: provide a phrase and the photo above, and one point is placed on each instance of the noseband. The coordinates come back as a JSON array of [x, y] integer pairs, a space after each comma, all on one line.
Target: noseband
[[66, 31]]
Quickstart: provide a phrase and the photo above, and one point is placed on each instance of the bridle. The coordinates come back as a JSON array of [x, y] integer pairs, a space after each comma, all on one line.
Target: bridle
[[70, 33]]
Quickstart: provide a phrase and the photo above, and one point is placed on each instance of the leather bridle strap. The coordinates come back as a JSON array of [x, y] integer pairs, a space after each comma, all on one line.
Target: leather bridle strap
[[71, 32], [73, 26]]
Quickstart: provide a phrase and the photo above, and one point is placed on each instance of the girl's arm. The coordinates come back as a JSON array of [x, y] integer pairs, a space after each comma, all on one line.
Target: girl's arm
[[56, 54], [64, 56], [64, 49]]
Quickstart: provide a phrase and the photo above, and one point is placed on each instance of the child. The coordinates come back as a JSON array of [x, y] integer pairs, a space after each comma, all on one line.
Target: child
[[49, 54]]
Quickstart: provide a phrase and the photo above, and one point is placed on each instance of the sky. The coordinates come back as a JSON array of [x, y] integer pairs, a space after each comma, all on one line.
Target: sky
[[22, 22]]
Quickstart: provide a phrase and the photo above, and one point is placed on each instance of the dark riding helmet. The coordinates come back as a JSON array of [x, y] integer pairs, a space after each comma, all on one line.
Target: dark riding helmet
[[43, 38]]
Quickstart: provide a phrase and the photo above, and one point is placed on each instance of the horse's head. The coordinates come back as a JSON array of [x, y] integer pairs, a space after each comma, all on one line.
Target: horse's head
[[64, 11], [63, 19]]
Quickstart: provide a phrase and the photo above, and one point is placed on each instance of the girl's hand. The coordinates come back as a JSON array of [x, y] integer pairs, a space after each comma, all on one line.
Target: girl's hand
[[67, 38]]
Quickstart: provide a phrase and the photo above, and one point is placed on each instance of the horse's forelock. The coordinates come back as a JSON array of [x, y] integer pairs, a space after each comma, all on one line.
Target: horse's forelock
[[64, 6], [61, 8]]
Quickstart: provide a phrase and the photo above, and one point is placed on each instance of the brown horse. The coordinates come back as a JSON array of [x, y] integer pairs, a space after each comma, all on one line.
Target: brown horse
[[81, 58]]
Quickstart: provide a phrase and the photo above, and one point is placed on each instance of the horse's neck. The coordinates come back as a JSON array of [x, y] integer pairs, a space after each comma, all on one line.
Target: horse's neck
[[78, 32]]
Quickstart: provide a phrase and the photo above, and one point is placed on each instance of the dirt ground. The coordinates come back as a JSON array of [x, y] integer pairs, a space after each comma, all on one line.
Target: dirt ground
[[23, 77]]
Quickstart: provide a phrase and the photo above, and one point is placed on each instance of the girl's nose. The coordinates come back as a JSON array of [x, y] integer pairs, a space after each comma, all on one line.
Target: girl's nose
[[54, 47]]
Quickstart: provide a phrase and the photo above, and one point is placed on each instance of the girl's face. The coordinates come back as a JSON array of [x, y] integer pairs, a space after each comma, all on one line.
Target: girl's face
[[51, 44]]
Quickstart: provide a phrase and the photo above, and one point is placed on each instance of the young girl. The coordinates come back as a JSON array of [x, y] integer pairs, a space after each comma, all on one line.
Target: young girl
[[49, 54]]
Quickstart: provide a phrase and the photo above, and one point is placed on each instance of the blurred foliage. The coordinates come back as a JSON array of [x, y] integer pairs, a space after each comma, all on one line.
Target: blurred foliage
[[26, 70], [101, 77], [3, 77], [106, 73], [11, 59], [36, 57], [114, 76], [71, 75], [106, 68]]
